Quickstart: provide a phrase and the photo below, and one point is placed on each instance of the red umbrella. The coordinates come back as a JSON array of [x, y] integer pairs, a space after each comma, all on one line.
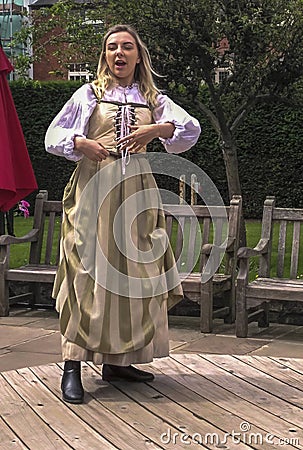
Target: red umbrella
[[17, 178]]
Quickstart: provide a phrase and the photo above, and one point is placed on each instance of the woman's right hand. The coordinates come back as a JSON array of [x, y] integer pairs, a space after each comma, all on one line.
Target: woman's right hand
[[93, 150]]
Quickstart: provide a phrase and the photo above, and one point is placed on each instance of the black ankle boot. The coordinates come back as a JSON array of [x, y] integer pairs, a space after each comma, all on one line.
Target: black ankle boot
[[71, 385], [129, 373]]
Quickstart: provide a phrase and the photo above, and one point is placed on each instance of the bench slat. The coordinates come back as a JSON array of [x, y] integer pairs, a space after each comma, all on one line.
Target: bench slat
[[218, 230], [295, 250], [194, 235], [36, 273], [276, 292], [50, 238], [288, 214], [205, 240], [169, 226], [180, 240], [59, 241], [281, 248]]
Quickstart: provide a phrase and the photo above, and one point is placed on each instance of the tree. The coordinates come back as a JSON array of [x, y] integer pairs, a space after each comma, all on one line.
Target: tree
[[265, 56]]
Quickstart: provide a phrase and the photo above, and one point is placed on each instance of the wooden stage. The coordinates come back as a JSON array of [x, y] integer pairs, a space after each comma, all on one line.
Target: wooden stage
[[196, 401]]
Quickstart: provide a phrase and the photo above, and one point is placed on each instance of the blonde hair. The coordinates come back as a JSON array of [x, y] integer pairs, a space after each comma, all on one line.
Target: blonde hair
[[143, 73]]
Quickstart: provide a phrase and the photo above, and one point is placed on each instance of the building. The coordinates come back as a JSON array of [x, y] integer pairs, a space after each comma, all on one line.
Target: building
[[11, 18], [49, 68]]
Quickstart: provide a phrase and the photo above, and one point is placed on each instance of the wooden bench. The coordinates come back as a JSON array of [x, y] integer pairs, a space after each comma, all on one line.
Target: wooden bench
[[200, 237], [205, 243], [280, 263], [40, 269]]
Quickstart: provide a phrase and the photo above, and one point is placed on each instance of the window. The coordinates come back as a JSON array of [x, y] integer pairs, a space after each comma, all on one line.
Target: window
[[223, 74], [79, 72], [222, 71]]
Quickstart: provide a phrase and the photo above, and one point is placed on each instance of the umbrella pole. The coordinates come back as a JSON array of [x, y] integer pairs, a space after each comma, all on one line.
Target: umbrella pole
[[2, 223], [10, 222], [7, 217]]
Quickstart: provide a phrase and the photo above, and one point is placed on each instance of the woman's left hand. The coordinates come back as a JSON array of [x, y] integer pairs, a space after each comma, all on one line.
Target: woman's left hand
[[139, 137]]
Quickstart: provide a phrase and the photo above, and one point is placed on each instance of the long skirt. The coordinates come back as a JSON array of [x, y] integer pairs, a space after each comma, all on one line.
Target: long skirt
[[117, 275]]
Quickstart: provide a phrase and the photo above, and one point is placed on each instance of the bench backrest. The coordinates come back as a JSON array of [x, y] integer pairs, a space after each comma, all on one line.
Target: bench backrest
[[283, 227], [47, 218], [191, 228]]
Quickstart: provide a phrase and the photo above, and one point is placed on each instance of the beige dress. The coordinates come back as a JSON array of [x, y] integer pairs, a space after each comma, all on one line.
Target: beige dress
[[117, 276]]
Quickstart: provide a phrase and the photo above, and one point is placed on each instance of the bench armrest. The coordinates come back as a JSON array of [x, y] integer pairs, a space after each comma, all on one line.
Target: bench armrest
[[229, 247], [259, 249], [31, 236]]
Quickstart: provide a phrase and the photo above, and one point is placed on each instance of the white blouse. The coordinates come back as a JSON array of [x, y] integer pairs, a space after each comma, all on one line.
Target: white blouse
[[73, 120]]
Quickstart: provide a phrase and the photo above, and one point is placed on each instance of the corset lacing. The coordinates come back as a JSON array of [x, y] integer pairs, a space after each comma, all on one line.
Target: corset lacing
[[124, 118]]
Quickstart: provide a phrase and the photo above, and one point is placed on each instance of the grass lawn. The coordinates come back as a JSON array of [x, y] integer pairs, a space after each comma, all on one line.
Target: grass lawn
[[19, 253], [253, 234]]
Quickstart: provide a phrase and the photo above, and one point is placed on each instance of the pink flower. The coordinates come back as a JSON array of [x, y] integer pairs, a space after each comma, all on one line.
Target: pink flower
[[23, 207]]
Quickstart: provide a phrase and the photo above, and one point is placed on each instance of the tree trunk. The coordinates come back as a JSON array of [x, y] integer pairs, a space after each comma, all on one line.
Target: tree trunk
[[229, 150], [230, 156], [228, 146]]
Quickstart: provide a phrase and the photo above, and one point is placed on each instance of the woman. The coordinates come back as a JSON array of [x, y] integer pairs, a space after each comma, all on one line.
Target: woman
[[112, 287]]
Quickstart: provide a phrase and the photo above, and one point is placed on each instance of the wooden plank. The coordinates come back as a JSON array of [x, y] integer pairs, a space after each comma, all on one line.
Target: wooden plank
[[50, 238], [275, 289], [169, 225], [288, 214], [283, 283], [59, 239], [191, 283], [295, 250], [273, 396], [260, 374], [127, 424], [194, 237], [8, 439], [180, 240], [43, 274], [277, 294], [52, 206], [281, 248], [205, 240], [34, 268], [179, 420], [69, 427], [189, 210], [218, 241], [230, 394], [295, 364], [181, 408], [218, 232], [217, 414], [28, 426], [131, 413], [276, 369]]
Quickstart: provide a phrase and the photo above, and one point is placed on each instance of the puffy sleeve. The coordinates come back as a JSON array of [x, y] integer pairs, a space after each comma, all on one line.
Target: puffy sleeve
[[187, 128], [71, 121]]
